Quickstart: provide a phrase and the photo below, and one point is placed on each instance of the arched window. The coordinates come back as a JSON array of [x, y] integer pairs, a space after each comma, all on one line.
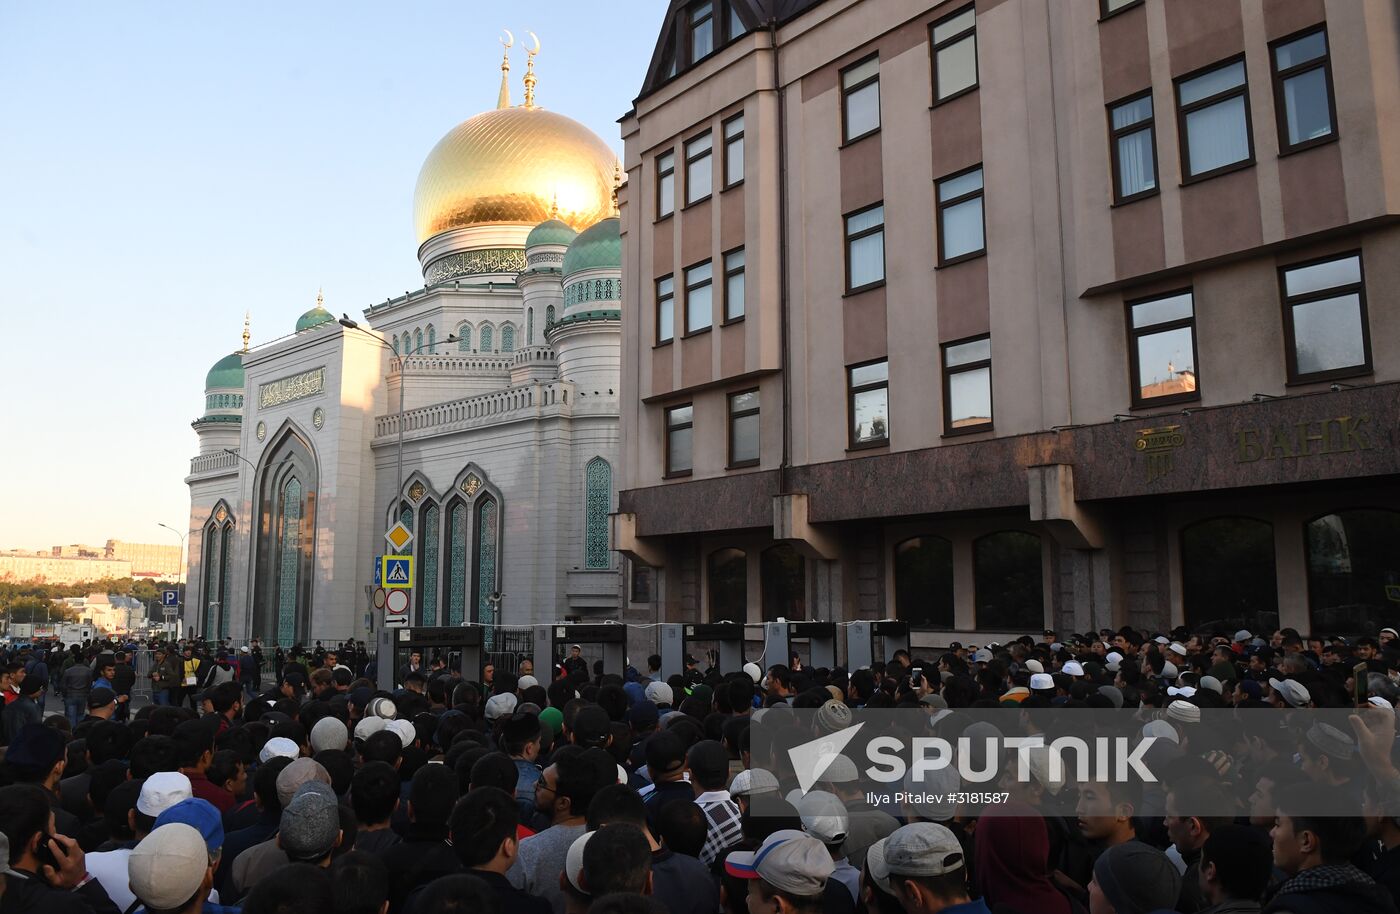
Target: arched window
[[428, 558], [464, 338], [728, 580], [1008, 583], [211, 565], [396, 345], [289, 565], [226, 575], [457, 524], [432, 340], [486, 337], [783, 572], [407, 344], [1227, 575], [923, 581], [529, 326], [417, 341], [597, 504], [508, 338], [484, 610], [549, 317], [1353, 568]]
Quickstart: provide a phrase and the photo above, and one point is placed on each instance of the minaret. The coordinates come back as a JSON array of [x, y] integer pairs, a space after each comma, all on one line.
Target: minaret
[[247, 320], [507, 42]]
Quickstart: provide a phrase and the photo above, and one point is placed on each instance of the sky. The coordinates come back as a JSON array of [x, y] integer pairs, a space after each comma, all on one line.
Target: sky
[[167, 166]]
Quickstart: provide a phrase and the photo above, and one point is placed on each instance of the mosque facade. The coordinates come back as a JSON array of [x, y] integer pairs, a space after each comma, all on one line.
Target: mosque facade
[[481, 411]]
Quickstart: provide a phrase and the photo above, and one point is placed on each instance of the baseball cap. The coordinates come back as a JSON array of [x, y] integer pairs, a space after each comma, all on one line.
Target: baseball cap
[[329, 733], [202, 816], [167, 868], [573, 861], [161, 791], [101, 697], [923, 849], [824, 817], [1293, 692], [310, 823], [753, 781], [982, 655], [278, 746], [1041, 681], [788, 860], [879, 869]]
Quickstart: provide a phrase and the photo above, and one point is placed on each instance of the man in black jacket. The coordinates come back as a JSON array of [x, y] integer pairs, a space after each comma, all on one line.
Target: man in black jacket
[[424, 854], [1313, 851], [483, 828], [32, 885]]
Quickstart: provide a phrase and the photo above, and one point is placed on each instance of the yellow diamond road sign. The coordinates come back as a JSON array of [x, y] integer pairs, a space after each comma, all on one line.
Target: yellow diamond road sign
[[399, 536]]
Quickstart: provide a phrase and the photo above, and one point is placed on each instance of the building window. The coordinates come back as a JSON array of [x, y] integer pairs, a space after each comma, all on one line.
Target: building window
[[865, 248], [734, 285], [961, 233], [407, 344], [665, 184], [702, 30], [529, 326], [508, 338], [679, 429], [429, 557], [923, 582], [432, 340], [597, 504], [457, 525], [869, 394], [860, 99], [743, 429], [487, 603], [417, 341], [783, 572], [1109, 7], [955, 55], [642, 587], [289, 547], [1213, 114], [548, 317], [1303, 91], [665, 310], [464, 338], [699, 167], [1228, 579], [728, 579], [1132, 140], [396, 345], [1007, 582], [734, 151], [1352, 566], [1162, 349], [486, 338], [967, 385], [1324, 319], [699, 297]]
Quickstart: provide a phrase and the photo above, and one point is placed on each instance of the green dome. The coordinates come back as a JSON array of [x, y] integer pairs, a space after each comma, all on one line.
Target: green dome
[[227, 372], [314, 318], [599, 247], [551, 232]]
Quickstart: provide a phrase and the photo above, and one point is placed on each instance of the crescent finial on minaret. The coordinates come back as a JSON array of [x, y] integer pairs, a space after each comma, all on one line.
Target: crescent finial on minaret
[[503, 101], [530, 70], [247, 319]]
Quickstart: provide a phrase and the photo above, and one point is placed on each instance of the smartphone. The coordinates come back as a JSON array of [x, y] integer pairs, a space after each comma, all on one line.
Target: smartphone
[[1361, 675], [916, 677], [44, 855]]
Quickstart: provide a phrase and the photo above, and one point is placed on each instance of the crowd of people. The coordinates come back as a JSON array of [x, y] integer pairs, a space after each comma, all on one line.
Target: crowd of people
[[312, 791]]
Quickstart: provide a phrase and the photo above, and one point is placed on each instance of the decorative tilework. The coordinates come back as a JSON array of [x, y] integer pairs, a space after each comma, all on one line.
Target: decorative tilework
[[457, 564], [428, 575], [597, 501], [289, 562], [468, 263], [226, 549], [486, 564]]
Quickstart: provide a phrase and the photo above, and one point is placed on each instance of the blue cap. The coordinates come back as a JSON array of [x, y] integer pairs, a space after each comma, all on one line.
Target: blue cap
[[202, 815]]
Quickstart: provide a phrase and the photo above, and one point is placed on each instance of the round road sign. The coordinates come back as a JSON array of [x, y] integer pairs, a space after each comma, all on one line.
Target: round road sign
[[379, 594], [396, 603]]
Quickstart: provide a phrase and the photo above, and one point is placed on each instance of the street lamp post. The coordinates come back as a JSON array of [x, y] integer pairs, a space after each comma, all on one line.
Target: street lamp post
[[348, 324], [180, 584]]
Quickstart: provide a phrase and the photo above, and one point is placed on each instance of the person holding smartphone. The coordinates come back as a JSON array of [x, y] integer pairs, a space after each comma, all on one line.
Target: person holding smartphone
[[48, 871]]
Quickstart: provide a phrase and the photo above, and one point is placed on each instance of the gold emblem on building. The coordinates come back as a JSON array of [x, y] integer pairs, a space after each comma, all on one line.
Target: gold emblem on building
[[1158, 444], [262, 430], [416, 491], [471, 484], [318, 418], [221, 514]]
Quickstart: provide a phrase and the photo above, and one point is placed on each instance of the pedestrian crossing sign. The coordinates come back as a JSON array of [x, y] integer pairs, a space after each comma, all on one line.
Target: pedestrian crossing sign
[[397, 571]]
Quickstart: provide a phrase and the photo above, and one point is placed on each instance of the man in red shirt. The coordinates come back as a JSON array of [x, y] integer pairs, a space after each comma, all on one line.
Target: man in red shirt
[[194, 745]]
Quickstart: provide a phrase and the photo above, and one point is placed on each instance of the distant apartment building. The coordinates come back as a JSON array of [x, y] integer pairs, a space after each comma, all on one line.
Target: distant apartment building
[[44, 568], [147, 559], [1007, 315]]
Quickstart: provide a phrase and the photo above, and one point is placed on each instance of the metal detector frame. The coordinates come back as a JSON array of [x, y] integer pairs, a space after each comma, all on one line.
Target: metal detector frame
[[467, 638], [860, 641], [821, 640], [676, 637], [611, 635]]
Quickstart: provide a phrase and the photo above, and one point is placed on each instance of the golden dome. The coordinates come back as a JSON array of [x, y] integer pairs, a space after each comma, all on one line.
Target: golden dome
[[514, 165]]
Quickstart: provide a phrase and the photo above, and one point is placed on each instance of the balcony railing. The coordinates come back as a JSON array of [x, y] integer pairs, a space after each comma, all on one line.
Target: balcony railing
[[211, 463], [482, 409]]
